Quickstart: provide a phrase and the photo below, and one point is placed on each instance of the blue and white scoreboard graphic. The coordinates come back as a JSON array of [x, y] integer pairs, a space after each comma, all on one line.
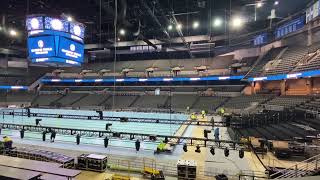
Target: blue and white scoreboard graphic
[[69, 49], [41, 47], [55, 41]]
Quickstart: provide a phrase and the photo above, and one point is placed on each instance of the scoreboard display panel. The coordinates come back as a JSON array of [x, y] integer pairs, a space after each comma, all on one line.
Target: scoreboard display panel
[[69, 49], [55, 41], [40, 47]]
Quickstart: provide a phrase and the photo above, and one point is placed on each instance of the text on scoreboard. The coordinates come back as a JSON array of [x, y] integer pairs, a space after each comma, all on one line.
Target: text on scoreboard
[[55, 46]]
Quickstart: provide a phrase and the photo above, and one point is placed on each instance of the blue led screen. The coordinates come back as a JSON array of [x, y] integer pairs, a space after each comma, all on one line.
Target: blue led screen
[[69, 49], [41, 47]]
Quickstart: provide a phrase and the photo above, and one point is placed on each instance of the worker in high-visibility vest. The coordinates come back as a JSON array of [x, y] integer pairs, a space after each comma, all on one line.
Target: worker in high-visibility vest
[[193, 116], [7, 141], [161, 146], [203, 114], [221, 111]]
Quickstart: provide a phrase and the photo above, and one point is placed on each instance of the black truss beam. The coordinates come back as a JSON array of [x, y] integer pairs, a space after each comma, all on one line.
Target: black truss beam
[[126, 135], [109, 118]]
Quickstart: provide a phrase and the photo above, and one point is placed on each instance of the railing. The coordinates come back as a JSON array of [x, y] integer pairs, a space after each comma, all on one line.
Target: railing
[[307, 167]]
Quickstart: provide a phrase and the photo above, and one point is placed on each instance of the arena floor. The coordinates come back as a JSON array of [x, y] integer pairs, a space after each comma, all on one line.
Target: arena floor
[[208, 165]]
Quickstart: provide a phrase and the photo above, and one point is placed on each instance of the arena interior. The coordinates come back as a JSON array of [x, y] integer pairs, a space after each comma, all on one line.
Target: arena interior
[[161, 89]]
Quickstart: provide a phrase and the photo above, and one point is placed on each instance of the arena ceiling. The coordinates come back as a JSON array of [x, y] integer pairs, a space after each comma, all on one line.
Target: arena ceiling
[[142, 19]]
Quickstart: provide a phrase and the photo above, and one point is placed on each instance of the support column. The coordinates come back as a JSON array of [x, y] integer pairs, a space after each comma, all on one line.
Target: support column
[[309, 85], [252, 88], [283, 87], [258, 86]]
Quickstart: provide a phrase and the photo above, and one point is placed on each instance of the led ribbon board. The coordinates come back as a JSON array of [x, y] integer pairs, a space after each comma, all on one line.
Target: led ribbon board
[[173, 79], [55, 41], [304, 74], [14, 87]]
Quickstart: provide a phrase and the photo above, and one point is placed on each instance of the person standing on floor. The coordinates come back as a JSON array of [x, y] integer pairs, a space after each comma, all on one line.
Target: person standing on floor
[[216, 134], [53, 135]]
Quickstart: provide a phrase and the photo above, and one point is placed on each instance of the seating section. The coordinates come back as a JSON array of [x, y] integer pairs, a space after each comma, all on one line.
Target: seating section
[[70, 98], [210, 103], [288, 101], [281, 131], [46, 99], [311, 61], [91, 100], [149, 101], [182, 101], [16, 97], [243, 102], [312, 105], [258, 68], [227, 88], [311, 65], [119, 102], [288, 61]]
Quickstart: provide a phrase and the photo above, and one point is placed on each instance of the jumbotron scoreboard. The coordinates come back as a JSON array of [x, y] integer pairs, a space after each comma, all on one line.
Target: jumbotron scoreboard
[[55, 41]]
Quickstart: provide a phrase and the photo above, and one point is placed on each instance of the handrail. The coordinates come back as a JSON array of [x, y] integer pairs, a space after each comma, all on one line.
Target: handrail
[[294, 168]]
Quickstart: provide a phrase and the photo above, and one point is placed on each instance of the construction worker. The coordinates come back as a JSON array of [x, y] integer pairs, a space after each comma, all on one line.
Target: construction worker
[[161, 146], [203, 114], [193, 116], [222, 111], [7, 141]]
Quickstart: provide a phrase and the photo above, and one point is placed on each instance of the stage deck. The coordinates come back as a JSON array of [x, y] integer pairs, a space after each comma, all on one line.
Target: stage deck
[[38, 166]]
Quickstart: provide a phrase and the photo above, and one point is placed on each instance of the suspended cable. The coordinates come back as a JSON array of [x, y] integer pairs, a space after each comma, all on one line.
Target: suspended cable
[[115, 52]]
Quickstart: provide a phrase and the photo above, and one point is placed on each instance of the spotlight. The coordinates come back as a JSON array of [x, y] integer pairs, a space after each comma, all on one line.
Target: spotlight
[[122, 32], [56, 24], [217, 22], [185, 148], [170, 27], [241, 153], [276, 3], [197, 149], [212, 151], [226, 152], [195, 25], [237, 22], [69, 18], [35, 24], [259, 4], [179, 26], [13, 32], [77, 30]]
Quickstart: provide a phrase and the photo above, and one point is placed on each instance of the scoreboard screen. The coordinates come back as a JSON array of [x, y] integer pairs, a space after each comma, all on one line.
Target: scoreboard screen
[[69, 49], [41, 47], [55, 41]]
